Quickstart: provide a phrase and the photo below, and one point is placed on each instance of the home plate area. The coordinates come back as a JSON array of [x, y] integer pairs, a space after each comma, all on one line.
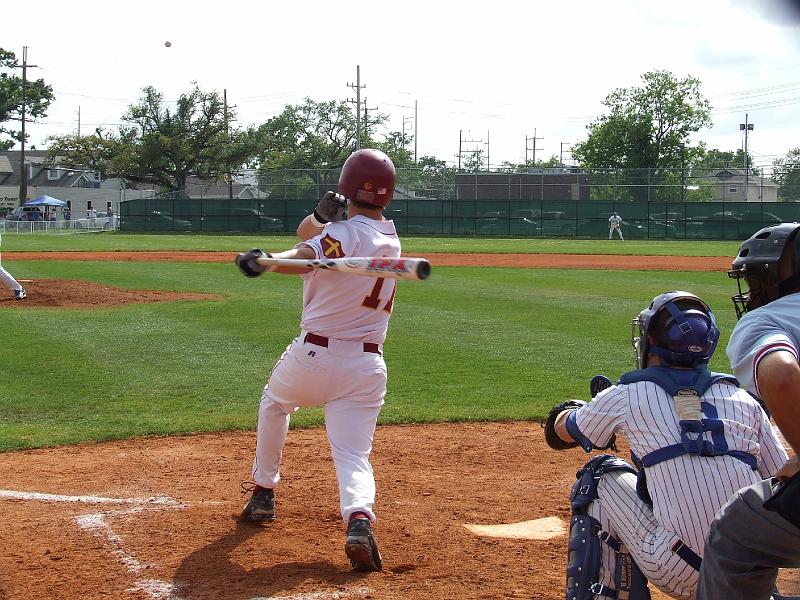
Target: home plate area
[[464, 511]]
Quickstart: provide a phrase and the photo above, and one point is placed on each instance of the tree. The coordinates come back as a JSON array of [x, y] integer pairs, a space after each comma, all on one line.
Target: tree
[[37, 97], [313, 136], [719, 159], [303, 147], [549, 163], [162, 145], [98, 152], [431, 178], [786, 173], [394, 145], [473, 163], [647, 128]]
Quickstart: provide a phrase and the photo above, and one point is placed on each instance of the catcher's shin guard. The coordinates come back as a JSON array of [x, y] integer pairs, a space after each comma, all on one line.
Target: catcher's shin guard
[[586, 538]]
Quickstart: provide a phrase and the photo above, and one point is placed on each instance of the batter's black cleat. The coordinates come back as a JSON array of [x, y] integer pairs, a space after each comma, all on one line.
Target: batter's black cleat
[[361, 546], [598, 384], [261, 507]]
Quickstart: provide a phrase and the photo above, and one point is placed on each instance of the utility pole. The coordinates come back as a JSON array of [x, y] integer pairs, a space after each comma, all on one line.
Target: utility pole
[[488, 163], [366, 121], [460, 151], [405, 119], [532, 139], [561, 159], [23, 174], [746, 127], [79, 120], [357, 87], [228, 134], [415, 131], [683, 171]]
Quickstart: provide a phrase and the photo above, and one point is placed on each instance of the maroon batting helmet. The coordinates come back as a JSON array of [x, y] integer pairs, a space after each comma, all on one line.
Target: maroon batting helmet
[[368, 176]]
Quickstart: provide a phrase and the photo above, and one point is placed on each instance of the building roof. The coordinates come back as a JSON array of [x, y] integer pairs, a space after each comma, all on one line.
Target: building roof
[[39, 175], [198, 188], [733, 175]]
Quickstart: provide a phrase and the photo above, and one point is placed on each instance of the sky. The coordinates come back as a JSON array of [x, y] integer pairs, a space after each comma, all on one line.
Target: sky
[[489, 76]]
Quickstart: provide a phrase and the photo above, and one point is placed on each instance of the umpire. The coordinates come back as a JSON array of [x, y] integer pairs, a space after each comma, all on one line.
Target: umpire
[[758, 530]]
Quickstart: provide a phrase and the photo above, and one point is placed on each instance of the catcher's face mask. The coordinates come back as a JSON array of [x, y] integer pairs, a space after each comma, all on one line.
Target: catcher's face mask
[[769, 264]]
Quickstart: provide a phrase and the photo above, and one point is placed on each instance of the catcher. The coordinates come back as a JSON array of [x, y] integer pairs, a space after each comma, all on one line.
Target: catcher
[[695, 439]]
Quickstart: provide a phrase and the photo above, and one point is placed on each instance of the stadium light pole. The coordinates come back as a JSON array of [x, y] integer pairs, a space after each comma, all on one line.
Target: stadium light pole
[[746, 127]]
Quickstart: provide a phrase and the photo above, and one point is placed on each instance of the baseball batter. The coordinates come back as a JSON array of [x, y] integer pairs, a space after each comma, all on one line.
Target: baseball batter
[[615, 224], [11, 283], [758, 530], [337, 360], [695, 438]]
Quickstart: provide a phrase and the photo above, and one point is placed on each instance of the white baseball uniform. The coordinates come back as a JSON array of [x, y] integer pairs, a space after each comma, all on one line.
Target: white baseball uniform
[[686, 490], [336, 361], [615, 224], [7, 278]]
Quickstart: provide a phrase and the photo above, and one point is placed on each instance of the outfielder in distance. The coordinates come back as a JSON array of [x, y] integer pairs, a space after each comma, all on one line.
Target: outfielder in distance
[[758, 530], [695, 437], [337, 360], [615, 224]]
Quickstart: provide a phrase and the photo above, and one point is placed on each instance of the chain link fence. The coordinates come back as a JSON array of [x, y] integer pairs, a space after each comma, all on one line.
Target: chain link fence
[[654, 204]]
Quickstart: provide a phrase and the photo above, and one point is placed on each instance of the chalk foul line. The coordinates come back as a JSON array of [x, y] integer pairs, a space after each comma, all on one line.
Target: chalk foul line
[[155, 500]]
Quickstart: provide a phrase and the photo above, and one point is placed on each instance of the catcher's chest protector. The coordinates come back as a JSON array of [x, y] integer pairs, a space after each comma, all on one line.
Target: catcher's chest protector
[[686, 388], [586, 535]]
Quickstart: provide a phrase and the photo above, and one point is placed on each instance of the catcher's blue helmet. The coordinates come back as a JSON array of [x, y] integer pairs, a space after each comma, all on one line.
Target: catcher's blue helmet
[[678, 327]]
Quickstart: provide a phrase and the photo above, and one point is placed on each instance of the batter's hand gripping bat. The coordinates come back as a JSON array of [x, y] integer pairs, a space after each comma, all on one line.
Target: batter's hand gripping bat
[[388, 268]]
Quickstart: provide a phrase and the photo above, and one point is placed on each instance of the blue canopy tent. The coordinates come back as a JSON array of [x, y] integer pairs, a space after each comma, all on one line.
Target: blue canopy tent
[[45, 201]]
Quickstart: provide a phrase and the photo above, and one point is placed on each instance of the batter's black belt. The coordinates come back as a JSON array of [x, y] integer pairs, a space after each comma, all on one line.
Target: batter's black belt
[[318, 340]]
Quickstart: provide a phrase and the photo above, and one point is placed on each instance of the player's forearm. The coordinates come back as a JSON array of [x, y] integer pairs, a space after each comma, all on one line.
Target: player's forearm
[[302, 252], [561, 427], [309, 228], [779, 385]]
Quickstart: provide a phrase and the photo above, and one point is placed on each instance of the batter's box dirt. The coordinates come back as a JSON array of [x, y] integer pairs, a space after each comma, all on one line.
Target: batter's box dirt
[[65, 293], [155, 518]]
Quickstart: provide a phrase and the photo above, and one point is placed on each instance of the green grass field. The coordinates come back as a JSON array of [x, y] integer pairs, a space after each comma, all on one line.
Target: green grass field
[[109, 241], [467, 344]]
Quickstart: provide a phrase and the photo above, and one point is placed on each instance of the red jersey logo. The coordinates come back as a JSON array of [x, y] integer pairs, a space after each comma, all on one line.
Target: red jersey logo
[[331, 247]]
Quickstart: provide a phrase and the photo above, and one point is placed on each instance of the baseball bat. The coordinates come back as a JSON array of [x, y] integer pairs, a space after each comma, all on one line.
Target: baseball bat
[[375, 266]]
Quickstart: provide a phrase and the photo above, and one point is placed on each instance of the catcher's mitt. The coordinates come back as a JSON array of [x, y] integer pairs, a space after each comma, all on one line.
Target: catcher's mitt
[[551, 437]]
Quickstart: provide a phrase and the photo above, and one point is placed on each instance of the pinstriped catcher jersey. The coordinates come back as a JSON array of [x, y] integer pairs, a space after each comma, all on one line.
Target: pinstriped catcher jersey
[[775, 326], [689, 489], [350, 307]]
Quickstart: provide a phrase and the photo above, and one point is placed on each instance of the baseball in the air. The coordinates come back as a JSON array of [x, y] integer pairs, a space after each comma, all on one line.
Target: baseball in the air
[[168, 43]]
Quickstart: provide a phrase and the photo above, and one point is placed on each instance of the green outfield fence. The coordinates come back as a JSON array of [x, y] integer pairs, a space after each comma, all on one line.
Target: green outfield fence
[[550, 203]]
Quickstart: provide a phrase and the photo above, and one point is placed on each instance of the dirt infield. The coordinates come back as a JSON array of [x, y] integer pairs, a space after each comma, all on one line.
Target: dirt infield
[[154, 518]]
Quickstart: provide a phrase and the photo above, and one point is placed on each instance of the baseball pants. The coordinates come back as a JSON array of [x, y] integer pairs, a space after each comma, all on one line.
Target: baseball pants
[[746, 546], [8, 280], [350, 384], [622, 513]]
